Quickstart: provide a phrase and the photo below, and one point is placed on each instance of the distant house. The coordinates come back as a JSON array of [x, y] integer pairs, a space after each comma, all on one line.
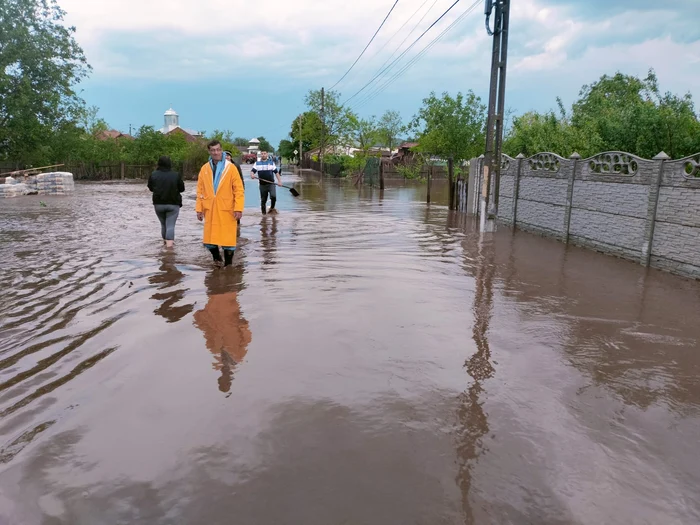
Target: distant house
[[379, 151], [113, 134], [404, 154], [172, 125]]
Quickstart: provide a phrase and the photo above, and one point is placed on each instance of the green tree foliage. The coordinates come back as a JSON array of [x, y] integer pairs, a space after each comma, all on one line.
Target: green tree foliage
[[226, 139], [363, 134], [286, 149], [225, 135], [537, 132], [240, 141], [451, 126], [337, 118], [265, 145], [310, 131], [616, 113], [389, 128], [40, 64]]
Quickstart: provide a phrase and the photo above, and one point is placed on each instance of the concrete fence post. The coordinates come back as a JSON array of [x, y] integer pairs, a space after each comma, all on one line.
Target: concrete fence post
[[653, 204], [516, 187], [479, 183], [450, 176], [570, 196]]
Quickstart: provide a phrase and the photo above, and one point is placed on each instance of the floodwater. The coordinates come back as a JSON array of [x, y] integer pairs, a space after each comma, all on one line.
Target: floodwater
[[368, 360]]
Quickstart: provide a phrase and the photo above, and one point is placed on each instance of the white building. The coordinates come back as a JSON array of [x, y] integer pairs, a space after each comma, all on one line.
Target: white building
[[253, 146], [172, 122]]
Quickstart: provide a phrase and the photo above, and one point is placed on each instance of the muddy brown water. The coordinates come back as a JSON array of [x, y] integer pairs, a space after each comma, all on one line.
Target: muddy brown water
[[368, 360]]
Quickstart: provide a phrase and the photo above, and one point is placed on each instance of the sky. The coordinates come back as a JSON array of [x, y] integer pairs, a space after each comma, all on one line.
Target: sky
[[246, 66]]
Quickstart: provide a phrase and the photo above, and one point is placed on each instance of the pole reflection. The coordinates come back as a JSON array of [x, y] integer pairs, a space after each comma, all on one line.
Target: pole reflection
[[473, 420]]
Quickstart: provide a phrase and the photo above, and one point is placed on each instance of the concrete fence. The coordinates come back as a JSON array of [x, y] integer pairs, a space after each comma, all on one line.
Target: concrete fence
[[643, 210]]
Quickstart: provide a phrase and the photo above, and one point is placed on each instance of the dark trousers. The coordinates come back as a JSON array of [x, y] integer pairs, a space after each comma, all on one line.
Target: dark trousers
[[267, 188], [167, 215]]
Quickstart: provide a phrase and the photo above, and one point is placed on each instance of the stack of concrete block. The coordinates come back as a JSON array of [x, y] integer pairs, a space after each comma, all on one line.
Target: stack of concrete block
[[55, 183], [13, 189]]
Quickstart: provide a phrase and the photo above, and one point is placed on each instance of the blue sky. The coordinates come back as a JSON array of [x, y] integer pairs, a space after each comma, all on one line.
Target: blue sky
[[242, 66]]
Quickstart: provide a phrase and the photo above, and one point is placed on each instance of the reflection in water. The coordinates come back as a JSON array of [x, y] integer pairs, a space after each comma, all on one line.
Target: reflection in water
[[226, 331], [473, 420], [593, 416], [268, 238], [168, 278]]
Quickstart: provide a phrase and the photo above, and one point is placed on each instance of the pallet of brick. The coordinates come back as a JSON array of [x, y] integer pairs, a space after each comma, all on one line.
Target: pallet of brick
[[13, 190], [56, 183]]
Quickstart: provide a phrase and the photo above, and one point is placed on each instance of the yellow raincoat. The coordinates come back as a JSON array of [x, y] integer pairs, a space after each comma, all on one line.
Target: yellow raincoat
[[220, 227]]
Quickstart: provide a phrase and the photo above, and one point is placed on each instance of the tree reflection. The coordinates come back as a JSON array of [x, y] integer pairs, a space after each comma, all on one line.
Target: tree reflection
[[472, 418], [226, 331]]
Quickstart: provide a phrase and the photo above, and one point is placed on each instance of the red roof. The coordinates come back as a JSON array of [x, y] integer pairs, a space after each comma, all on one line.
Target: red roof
[[113, 134]]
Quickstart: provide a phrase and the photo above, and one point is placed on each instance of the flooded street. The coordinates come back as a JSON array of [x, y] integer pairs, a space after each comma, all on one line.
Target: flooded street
[[368, 360]]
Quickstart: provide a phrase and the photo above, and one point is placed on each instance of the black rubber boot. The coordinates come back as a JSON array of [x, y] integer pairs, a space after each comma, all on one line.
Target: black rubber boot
[[216, 254], [228, 257]]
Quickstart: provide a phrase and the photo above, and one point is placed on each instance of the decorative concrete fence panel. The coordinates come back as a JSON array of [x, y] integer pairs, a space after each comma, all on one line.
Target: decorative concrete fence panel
[[609, 205], [676, 233], [614, 202]]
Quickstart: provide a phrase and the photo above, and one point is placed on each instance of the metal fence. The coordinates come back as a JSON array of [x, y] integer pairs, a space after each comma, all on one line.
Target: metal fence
[[329, 168], [110, 170]]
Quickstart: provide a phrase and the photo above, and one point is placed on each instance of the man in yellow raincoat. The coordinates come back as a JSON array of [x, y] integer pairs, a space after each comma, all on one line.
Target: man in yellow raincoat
[[220, 199]]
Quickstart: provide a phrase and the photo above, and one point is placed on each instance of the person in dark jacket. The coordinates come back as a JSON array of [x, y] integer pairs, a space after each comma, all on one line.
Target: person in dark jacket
[[229, 157], [167, 187]]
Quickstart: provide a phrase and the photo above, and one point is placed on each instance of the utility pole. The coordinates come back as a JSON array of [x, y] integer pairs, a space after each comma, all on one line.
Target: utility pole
[[301, 151], [497, 90], [323, 128]]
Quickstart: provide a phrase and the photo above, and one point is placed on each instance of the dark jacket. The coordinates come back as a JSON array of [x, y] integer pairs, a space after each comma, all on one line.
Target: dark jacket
[[166, 187], [240, 172]]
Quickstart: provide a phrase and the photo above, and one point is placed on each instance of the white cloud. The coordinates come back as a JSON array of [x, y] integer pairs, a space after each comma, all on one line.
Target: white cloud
[[313, 42]]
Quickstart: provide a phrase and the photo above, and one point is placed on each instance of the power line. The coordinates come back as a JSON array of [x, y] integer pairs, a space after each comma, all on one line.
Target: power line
[[415, 59], [402, 54], [409, 34], [402, 26], [368, 44], [388, 70]]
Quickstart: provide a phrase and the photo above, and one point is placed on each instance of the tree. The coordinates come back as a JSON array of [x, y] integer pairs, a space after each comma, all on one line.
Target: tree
[[286, 149], [450, 126], [40, 64], [265, 145], [310, 131], [537, 132], [91, 122], [240, 141], [390, 127], [225, 135], [364, 133], [615, 113], [336, 118]]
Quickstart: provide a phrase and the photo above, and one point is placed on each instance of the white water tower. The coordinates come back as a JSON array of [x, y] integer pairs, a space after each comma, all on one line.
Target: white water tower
[[172, 120]]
